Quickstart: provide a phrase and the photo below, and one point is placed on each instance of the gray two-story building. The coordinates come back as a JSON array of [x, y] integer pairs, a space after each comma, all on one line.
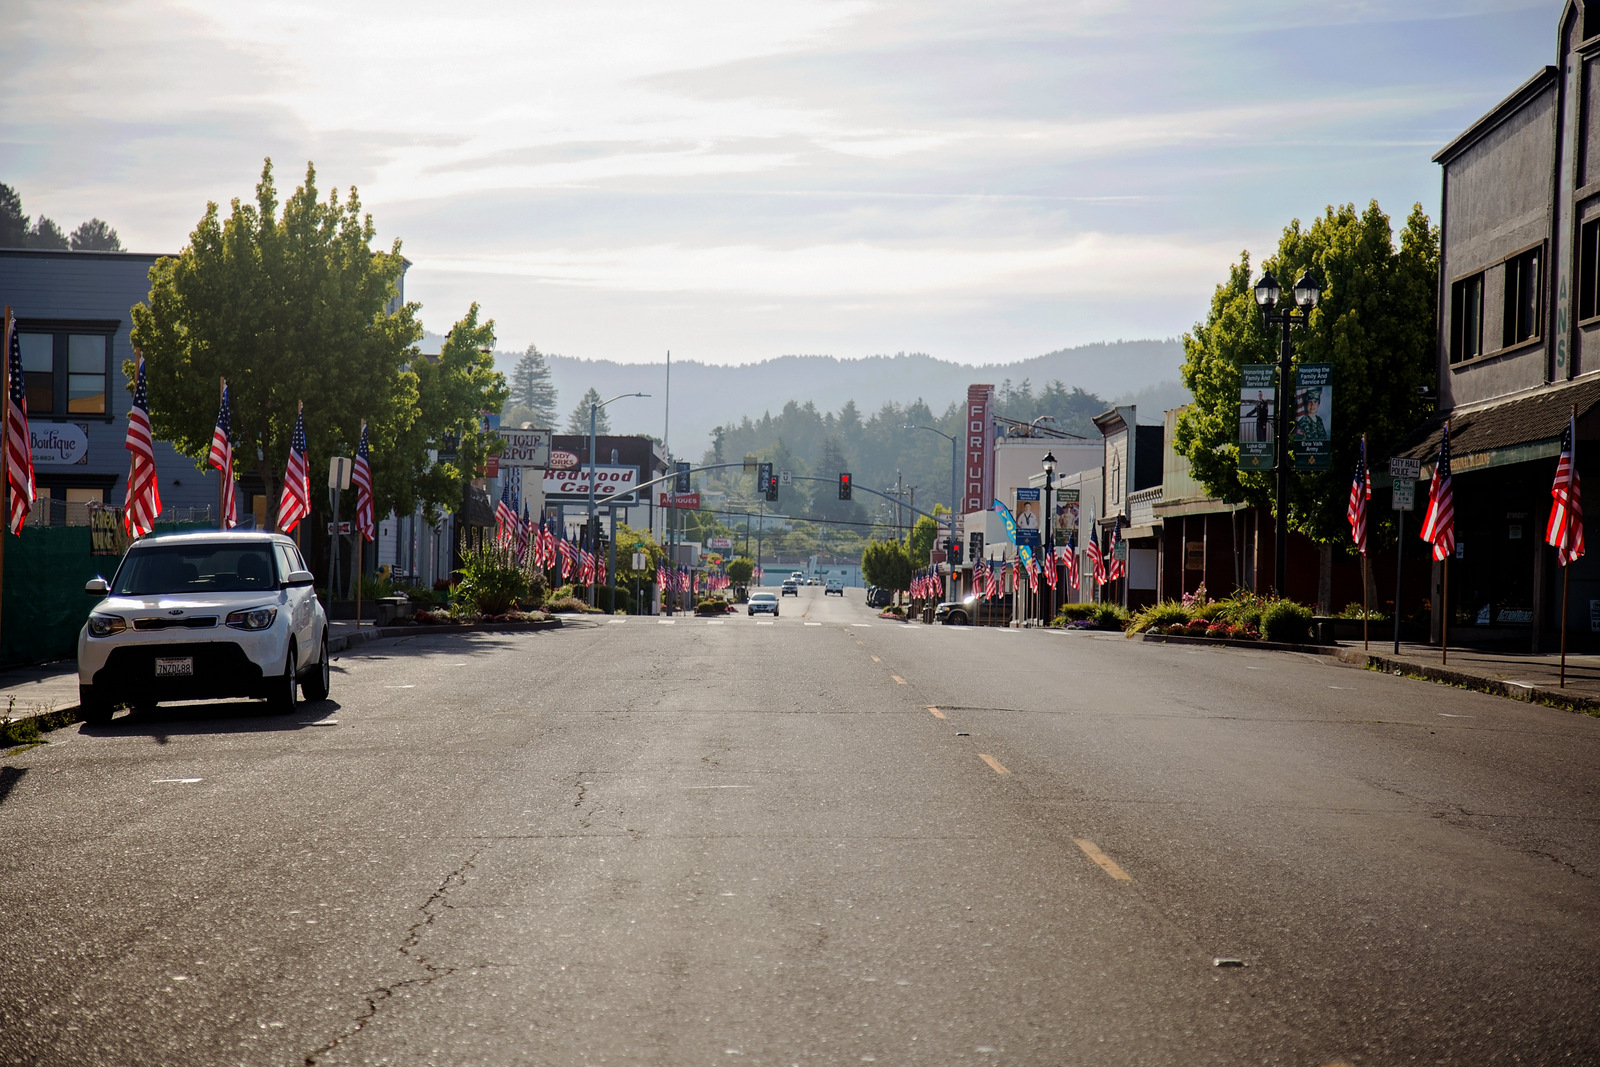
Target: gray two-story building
[[73, 318], [1519, 342]]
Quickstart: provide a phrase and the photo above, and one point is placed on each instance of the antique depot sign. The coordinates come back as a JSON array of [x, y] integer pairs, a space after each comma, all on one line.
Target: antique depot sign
[[526, 448], [572, 483]]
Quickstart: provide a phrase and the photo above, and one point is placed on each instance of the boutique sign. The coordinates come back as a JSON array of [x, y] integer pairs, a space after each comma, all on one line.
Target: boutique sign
[[59, 444]]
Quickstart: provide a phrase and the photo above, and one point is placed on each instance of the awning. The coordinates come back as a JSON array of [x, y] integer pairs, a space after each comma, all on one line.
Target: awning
[[1518, 430], [1137, 533]]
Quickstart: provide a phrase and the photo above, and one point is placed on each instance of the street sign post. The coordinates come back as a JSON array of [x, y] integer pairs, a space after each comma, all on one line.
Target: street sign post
[[1405, 473]]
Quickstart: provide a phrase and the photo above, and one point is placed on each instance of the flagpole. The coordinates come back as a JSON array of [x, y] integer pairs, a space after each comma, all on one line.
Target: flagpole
[[1444, 615], [360, 537], [5, 449], [1366, 481], [301, 410], [222, 489], [1566, 568]]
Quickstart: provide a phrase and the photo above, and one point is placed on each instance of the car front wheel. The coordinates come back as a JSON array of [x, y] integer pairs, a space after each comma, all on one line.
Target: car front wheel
[[316, 685], [285, 694], [92, 709]]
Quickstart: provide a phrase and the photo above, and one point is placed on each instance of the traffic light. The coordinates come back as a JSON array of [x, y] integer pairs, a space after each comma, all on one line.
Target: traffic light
[[766, 484], [955, 551], [844, 486], [680, 480]]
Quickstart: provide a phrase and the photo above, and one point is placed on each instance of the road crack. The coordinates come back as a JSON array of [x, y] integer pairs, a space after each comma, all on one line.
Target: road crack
[[376, 997]]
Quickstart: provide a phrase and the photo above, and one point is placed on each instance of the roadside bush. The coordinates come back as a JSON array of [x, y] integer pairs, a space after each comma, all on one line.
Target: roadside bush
[[711, 606], [1162, 615], [571, 604], [612, 599], [1355, 611], [1212, 610], [1110, 616], [1074, 613], [1286, 621], [491, 582]]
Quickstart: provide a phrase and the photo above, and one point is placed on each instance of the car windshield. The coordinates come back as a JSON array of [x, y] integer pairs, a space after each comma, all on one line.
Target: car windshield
[[196, 568], [763, 596]]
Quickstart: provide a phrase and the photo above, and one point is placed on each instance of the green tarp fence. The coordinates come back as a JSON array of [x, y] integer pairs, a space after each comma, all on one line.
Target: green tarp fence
[[43, 605]]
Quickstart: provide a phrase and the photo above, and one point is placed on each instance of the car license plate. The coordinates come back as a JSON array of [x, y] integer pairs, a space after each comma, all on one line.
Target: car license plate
[[174, 666]]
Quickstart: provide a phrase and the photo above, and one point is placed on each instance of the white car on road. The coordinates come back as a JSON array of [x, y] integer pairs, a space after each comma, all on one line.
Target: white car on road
[[198, 615]]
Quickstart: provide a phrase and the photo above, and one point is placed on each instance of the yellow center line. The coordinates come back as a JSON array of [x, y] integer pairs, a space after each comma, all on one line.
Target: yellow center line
[[991, 761], [937, 714], [897, 678], [875, 659], [1105, 862]]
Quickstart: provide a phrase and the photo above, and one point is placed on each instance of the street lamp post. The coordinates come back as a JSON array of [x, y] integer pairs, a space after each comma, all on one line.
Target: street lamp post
[[594, 540], [1049, 519], [955, 464], [1306, 294]]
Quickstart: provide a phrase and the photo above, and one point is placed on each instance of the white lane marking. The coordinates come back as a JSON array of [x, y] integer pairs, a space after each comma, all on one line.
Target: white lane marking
[[665, 622], [412, 686], [716, 622], [1346, 688], [813, 624], [615, 622], [318, 722], [716, 787], [860, 625], [764, 622], [1447, 715], [180, 781], [1255, 668]]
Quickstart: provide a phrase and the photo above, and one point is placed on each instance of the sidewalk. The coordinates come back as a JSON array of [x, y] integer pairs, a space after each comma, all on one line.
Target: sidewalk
[[1519, 675]]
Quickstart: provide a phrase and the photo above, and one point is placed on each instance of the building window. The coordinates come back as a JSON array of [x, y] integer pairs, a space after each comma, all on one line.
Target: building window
[[1589, 269], [1523, 290], [65, 371], [1466, 319]]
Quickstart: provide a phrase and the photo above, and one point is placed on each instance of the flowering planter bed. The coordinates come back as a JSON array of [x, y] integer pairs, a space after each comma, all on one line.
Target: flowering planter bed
[[1235, 642]]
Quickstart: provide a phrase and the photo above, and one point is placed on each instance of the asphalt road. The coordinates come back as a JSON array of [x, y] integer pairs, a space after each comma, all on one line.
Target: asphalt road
[[825, 838]]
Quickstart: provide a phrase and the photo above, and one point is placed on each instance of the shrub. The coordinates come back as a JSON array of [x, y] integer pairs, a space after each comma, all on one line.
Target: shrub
[[1158, 616], [1220, 629], [1357, 612], [1286, 621], [568, 604], [1196, 628], [491, 580], [711, 606], [1110, 616], [1211, 611], [1074, 613], [613, 599]]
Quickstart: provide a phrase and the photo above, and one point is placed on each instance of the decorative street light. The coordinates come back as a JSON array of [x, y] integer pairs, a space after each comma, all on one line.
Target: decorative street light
[[594, 530], [1049, 520], [955, 465], [1306, 294]]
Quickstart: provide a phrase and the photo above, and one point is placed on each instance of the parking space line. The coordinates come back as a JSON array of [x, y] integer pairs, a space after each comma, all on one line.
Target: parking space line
[[994, 763], [1106, 863], [937, 714]]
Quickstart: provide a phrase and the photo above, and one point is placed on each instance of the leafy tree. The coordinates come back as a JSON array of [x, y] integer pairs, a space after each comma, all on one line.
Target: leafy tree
[[740, 571], [887, 565], [288, 306], [451, 393], [95, 236], [578, 421], [532, 390], [13, 223], [924, 535], [1374, 324], [46, 234]]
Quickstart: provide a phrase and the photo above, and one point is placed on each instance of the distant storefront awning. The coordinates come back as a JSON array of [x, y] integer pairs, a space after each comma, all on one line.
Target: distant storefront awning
[[1519, 430]]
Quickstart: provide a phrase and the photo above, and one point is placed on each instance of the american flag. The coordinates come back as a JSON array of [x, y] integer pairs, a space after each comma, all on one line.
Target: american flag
[[505, 514], [524, 529], [143, 501], [19, 445], [295, 502], [1097, 559], [1070, 557], [569, 557], [1051, 563], [545, 550], [661, 576], [1360, 493], [978, 581], [1565, 531], [1439, 524], [1033, 574], [361, 478], [586, 568], [1115, 568], [221, 458], [991, 582]]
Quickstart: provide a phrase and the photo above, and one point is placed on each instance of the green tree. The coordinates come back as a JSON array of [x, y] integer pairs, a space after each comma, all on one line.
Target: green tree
[[95, 236], [13, 223], [46, 234], [533, 392], [578, 421], [740, 571], [452, 393], [887, 565], [1374, 324], [924, 535], [287, 307]]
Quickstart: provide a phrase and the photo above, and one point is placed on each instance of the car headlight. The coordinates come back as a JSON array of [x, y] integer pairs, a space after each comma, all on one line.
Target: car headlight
[[106, 625], [252, 618]]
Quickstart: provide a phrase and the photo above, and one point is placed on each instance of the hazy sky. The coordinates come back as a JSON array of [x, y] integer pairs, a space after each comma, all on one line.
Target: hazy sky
[[739, 180]]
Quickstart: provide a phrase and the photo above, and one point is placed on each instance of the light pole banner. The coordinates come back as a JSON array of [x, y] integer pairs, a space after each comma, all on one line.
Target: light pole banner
[[1027, 518], [1009, 522], [1313, 417], [1258, 393]]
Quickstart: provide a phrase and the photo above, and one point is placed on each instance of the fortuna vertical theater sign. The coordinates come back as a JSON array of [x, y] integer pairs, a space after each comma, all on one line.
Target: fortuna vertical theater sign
[[979, 438]]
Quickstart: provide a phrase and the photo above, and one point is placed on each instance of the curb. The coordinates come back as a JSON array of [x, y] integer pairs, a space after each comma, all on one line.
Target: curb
[[365, 636], [1228, 642], [1531, 694]]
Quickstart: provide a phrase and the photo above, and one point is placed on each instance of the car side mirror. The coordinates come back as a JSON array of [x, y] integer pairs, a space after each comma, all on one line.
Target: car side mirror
[[97, 586], [298, 578]]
